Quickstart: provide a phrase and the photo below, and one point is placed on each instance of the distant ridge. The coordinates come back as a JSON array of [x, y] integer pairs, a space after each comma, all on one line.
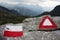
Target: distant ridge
[[54, 12]]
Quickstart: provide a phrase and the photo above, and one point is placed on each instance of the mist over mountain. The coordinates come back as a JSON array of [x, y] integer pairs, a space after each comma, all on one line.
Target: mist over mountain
[[24, 9], [6, 5], [31, 9]]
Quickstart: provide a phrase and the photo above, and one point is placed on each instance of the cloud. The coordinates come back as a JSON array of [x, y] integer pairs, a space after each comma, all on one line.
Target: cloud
[[55, 0], [50, 3], [18, 0], [9, 0], [43, 3], [27, 0], [49, 0]]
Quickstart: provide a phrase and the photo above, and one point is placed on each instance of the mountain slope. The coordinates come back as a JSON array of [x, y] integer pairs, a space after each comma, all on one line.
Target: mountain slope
[[55, 11], [7, 16]]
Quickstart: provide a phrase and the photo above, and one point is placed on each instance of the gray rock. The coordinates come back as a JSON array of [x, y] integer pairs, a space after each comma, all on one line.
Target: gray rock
[[33, 24]]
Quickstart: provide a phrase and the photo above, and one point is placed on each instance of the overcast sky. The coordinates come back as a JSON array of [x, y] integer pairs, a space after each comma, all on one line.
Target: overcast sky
[[43, 3], [27, 0], [39, 2]]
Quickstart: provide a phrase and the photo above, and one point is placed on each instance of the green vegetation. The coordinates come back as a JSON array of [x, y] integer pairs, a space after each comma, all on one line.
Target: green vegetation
[[6, 16]]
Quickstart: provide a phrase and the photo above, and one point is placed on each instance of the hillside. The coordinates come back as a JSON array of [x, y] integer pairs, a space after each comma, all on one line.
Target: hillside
[[8, 16], [55, 11]]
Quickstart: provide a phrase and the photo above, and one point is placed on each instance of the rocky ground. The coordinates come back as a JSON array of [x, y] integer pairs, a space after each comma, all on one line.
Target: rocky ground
[[32, 24]]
